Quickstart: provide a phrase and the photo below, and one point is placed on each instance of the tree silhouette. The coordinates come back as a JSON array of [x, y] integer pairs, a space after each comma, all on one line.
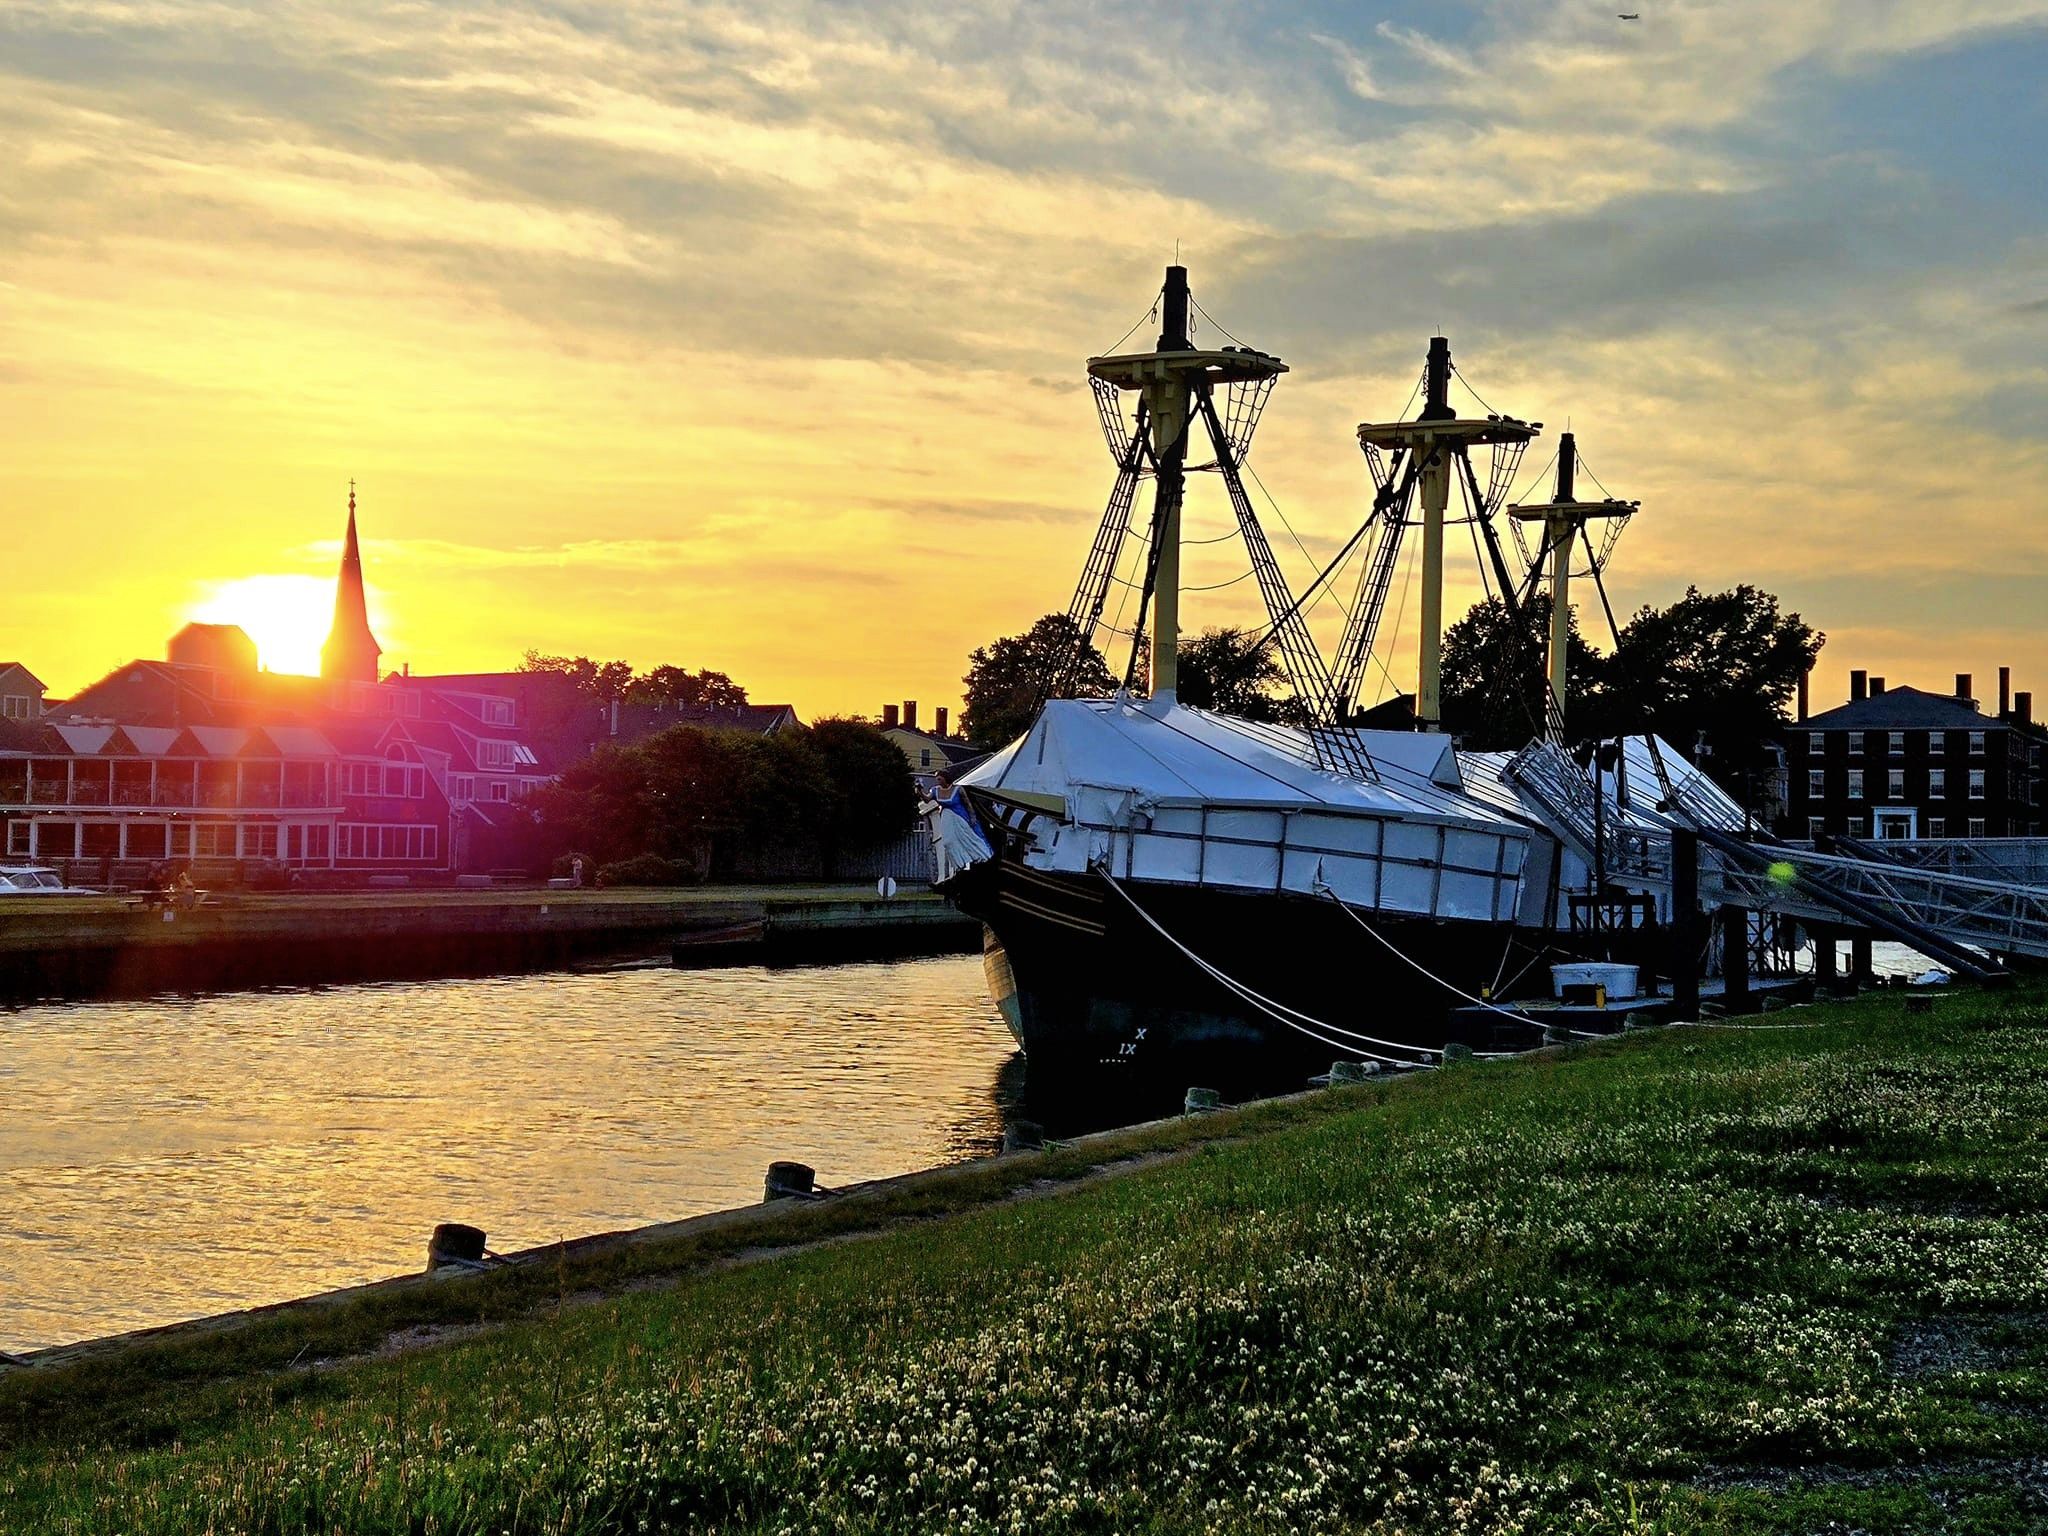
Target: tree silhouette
[[1008, 679], [1230, 671]]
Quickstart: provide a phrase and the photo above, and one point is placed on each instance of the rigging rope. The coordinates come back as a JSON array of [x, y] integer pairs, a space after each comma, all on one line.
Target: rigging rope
[[1417, 965], [1266, 1005]]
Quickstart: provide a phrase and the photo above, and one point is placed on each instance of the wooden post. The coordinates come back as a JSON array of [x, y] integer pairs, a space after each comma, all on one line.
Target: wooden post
[[1685, 924], [455, 1243], [1825, 956], [790, 1179], [1735, 958]]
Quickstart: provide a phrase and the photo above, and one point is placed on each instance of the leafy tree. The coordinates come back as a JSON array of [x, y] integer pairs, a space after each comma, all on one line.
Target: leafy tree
[[875, 800], [600, 681], [679, 688], [1496, 674], [1007, 680], [1721, 664], [1228, 670]]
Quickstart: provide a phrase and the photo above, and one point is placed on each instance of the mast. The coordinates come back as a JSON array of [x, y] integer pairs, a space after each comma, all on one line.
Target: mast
[[1439, 441], [1564, 518], [1167, 401]]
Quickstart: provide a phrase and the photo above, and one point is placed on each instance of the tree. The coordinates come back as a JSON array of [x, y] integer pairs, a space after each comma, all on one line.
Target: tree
[[1007, 680], [874, 798], [599, 681], [1723, 665], [1496, 674], [1230, 671], [673, 687]]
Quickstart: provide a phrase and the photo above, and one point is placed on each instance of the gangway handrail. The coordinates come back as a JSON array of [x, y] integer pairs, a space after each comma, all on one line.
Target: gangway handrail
[[1915, 935]]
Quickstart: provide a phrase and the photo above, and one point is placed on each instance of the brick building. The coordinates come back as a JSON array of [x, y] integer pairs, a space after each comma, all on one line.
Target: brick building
[[1903, 763]]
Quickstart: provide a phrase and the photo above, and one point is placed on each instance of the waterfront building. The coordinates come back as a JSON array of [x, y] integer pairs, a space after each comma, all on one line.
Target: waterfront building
[[929, 753], [1899, 763], [21, 692]]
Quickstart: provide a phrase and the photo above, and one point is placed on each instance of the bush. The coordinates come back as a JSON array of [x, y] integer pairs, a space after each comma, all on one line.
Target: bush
[[645, 869]]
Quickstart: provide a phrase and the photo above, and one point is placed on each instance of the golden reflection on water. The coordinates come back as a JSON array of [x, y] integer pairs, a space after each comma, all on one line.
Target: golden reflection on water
[[173, 1158]]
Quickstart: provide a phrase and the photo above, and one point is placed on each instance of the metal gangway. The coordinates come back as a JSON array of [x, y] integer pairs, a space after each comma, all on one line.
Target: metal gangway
[[1948, 916]]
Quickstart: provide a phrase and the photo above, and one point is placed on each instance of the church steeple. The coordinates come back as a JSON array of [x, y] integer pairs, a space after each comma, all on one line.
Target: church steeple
[[351, 651]]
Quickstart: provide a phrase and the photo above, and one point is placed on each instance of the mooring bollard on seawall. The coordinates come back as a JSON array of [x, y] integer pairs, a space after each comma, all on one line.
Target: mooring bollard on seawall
[[790, 1181], [455, 1245], [1200, 1101]]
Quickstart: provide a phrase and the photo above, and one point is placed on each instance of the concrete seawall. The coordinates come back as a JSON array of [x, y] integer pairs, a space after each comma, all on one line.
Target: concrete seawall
[[88, 946]]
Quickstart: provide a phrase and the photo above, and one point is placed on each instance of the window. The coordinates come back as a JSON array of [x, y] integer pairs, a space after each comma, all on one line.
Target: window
[[1937, 781], [213, 840], [1815, 826], [1976, 783], [316, 842], [1817, 743], [498, 711], [1895, 783], [416, 783], [1976, 826], [1976, 743], [259, 842], [500, 790], [494, 754], [394, 781], [462, 787], [1816, 783], [1895, 741], [1859, 826], [16, 706], [1937, 743], [1937, 826], [1855, 783], [924, 758], [17, 838], [100, 840]]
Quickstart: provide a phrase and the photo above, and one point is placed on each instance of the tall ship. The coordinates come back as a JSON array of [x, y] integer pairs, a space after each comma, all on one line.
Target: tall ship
[[1161, 882]]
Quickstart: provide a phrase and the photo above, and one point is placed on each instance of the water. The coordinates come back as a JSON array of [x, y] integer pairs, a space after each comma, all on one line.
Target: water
[[178, 1157]]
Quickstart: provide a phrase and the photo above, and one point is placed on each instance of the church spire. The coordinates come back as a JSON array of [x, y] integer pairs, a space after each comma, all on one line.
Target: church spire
[[351, 651]]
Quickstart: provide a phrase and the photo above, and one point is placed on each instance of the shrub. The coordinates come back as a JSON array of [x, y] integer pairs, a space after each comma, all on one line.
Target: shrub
[[645, 869]]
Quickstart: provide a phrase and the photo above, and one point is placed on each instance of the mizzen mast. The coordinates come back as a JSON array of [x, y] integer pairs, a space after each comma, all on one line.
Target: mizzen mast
[[1564, 518]]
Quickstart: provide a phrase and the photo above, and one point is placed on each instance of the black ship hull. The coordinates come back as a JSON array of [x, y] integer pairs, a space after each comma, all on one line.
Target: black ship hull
[[1090, 988]]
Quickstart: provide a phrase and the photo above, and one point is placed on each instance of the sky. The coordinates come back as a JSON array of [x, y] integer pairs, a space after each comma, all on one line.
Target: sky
[[753, 337]]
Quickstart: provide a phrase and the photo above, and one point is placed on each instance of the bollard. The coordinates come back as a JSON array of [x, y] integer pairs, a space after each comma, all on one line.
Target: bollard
[[455, 1243], [790, 1181], [1639, 1020], [1344, 1073], [1457, 1050], [1200, 1101], [1023, 1136], [1556, 1034]]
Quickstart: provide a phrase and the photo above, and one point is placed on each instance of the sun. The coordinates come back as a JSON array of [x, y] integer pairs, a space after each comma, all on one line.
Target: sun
[[287, 617]]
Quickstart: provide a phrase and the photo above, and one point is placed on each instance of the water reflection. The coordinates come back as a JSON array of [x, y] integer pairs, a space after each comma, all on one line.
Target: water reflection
[[170, 1158]]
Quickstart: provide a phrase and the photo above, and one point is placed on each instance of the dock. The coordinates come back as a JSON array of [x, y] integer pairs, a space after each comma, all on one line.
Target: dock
[[108, 946]]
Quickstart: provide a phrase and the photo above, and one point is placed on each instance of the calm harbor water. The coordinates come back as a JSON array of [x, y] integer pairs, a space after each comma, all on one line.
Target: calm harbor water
[[177, 1157]]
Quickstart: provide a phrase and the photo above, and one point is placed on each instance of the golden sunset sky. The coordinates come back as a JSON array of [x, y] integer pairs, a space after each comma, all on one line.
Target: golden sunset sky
[[752, 337]]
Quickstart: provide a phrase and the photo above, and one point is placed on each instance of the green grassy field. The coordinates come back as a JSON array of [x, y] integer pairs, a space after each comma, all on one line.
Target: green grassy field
[[1751, 1279]]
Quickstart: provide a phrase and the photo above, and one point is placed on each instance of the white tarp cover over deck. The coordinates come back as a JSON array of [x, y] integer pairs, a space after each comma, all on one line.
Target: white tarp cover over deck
[[1158, 792]]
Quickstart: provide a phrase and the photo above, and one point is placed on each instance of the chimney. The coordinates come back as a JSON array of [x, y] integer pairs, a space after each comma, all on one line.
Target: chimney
[[2023, 707], [1804, 677], [888, 717], [2004, 692], [1876, 686], [1858, 685], [1963, 686], [939, 722], [910, 714]]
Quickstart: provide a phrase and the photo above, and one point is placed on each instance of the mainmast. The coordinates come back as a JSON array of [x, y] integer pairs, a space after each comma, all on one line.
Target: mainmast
[[1435, 444], [1564, 518]]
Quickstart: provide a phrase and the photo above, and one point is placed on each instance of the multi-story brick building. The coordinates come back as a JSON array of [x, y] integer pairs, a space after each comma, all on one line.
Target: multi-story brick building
[[1904, 763]]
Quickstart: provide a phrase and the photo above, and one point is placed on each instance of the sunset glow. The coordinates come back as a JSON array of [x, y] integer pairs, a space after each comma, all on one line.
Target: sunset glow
[[754, 339], [287, 617]]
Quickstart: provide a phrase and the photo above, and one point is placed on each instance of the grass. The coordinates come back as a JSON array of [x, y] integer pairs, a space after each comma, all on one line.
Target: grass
[[1769, 1280]]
